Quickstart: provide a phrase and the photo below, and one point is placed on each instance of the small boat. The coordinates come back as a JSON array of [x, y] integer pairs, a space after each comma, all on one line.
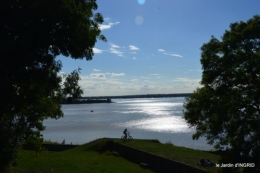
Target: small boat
[[91, 110]]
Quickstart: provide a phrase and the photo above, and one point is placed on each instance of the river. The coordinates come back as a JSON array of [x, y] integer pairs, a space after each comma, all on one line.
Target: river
[[153, 118]]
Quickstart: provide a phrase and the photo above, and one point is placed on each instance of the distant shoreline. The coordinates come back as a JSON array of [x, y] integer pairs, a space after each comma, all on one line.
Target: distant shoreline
[[107, 99], [140, 96], [88, 101]]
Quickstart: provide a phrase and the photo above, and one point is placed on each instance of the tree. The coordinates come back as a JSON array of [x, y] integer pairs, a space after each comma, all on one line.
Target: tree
[[70, 86], [226, 109], [32, 35]]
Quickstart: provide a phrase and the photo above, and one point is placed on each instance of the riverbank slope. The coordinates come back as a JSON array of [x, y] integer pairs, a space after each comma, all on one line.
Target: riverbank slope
[[95, 157]]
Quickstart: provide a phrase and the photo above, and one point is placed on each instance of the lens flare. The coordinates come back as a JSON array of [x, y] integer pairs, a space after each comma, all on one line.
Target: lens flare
[[139, 20], [141, 2]]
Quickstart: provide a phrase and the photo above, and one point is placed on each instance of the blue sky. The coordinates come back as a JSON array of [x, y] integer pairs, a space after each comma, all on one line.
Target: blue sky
[[154, 45]]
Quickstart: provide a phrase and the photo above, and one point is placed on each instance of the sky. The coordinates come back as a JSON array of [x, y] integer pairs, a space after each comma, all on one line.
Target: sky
[[153, 46]]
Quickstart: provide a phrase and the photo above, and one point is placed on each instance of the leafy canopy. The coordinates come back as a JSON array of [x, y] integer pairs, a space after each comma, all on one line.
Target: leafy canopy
[[32, 34], [226, 110], [70, 86]]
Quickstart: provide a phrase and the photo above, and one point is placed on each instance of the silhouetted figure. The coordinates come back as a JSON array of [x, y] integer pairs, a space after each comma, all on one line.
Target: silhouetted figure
[[209, 163], [206, 162], [125, 132]]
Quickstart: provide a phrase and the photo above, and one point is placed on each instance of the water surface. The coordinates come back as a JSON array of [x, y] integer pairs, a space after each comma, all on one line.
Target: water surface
[[156, 118]]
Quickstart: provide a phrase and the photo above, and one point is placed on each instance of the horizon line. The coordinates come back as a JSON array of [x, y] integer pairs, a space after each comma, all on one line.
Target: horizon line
[[137, 95]]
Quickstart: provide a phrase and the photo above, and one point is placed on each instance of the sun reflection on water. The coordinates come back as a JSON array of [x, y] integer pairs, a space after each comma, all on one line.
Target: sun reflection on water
[[153, 109], [158, 117], [172, 124]]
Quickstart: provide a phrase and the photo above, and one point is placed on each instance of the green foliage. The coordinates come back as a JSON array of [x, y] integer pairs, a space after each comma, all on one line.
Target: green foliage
[[71, 87], [49, 142], [63, 142], [34, 143], [32, 35], [226, 109]]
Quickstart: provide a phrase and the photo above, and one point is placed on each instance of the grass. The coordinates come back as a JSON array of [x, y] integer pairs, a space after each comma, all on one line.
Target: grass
[[181, 154], [82, 159], [91, 158]]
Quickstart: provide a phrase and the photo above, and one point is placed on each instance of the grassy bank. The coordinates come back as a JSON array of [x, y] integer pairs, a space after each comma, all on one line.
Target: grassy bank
[[84, 158], [181, 154], [91, 157]]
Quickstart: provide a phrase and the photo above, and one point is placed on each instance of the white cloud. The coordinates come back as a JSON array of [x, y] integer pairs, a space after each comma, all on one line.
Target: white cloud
[[161, 50], [148, 87], [107, 19], [98, 85], [135, 80], [169, 54], [97, 75], [108, 26], [117, 74], [186, 80], [175, 55], [115, 51], [114, 46], [133, 47], [134, 57], [154, 74], [103, 75], [148, 82], [95, 50]]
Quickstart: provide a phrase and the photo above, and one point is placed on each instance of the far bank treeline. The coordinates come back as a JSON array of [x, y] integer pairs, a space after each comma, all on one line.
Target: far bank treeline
[[108, 99], [88, 101]]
